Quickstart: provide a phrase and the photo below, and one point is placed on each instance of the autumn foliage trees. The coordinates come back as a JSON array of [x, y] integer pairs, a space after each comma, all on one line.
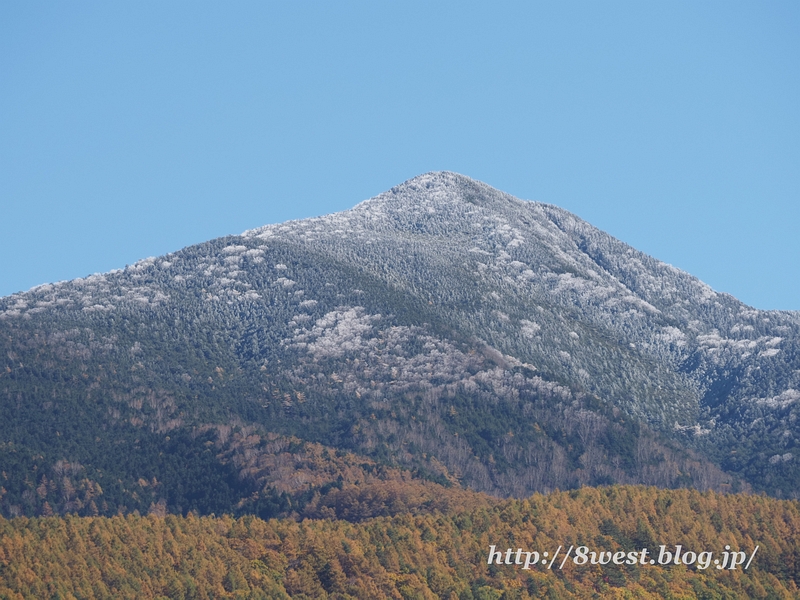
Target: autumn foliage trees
[[438, 554]]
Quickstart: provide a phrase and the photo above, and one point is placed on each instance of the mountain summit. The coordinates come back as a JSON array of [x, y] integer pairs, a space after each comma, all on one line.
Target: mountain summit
[[442, 327]]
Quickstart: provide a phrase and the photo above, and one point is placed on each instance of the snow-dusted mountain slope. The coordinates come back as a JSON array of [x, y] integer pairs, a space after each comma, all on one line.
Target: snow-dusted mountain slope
[[377, 327]]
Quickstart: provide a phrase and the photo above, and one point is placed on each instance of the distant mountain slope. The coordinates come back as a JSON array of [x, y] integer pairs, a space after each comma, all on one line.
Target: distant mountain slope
[[443, 327]]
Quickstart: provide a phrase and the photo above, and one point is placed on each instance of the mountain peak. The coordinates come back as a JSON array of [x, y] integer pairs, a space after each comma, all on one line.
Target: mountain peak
[[438, 201], [448, 187], [440, 189]]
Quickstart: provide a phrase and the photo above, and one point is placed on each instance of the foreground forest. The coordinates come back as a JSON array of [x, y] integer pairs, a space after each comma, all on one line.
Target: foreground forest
[[423, 552]]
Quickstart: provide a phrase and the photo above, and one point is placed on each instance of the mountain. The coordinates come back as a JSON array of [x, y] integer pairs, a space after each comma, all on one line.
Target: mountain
[[442, 331]]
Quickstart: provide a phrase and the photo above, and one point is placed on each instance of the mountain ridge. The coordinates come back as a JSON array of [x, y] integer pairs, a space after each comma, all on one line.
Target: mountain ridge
[[443, 327]]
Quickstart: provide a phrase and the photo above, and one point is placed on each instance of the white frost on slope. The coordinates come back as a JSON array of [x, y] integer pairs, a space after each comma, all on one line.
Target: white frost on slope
[[529, 329], [336, 333], [782, 400]]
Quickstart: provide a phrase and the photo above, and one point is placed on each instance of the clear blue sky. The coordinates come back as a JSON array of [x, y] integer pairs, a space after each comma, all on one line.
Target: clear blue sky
[[132, 129]]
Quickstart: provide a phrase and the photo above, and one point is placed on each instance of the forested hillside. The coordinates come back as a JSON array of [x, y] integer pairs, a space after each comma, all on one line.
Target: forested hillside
[[427, 556], [443, 332]]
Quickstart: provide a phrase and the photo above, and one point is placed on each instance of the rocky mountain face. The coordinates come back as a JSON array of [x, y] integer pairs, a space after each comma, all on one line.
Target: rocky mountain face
[[442, 328]]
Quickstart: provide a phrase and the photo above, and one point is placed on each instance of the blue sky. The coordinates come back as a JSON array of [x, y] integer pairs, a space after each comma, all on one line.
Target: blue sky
[[133, 129]]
